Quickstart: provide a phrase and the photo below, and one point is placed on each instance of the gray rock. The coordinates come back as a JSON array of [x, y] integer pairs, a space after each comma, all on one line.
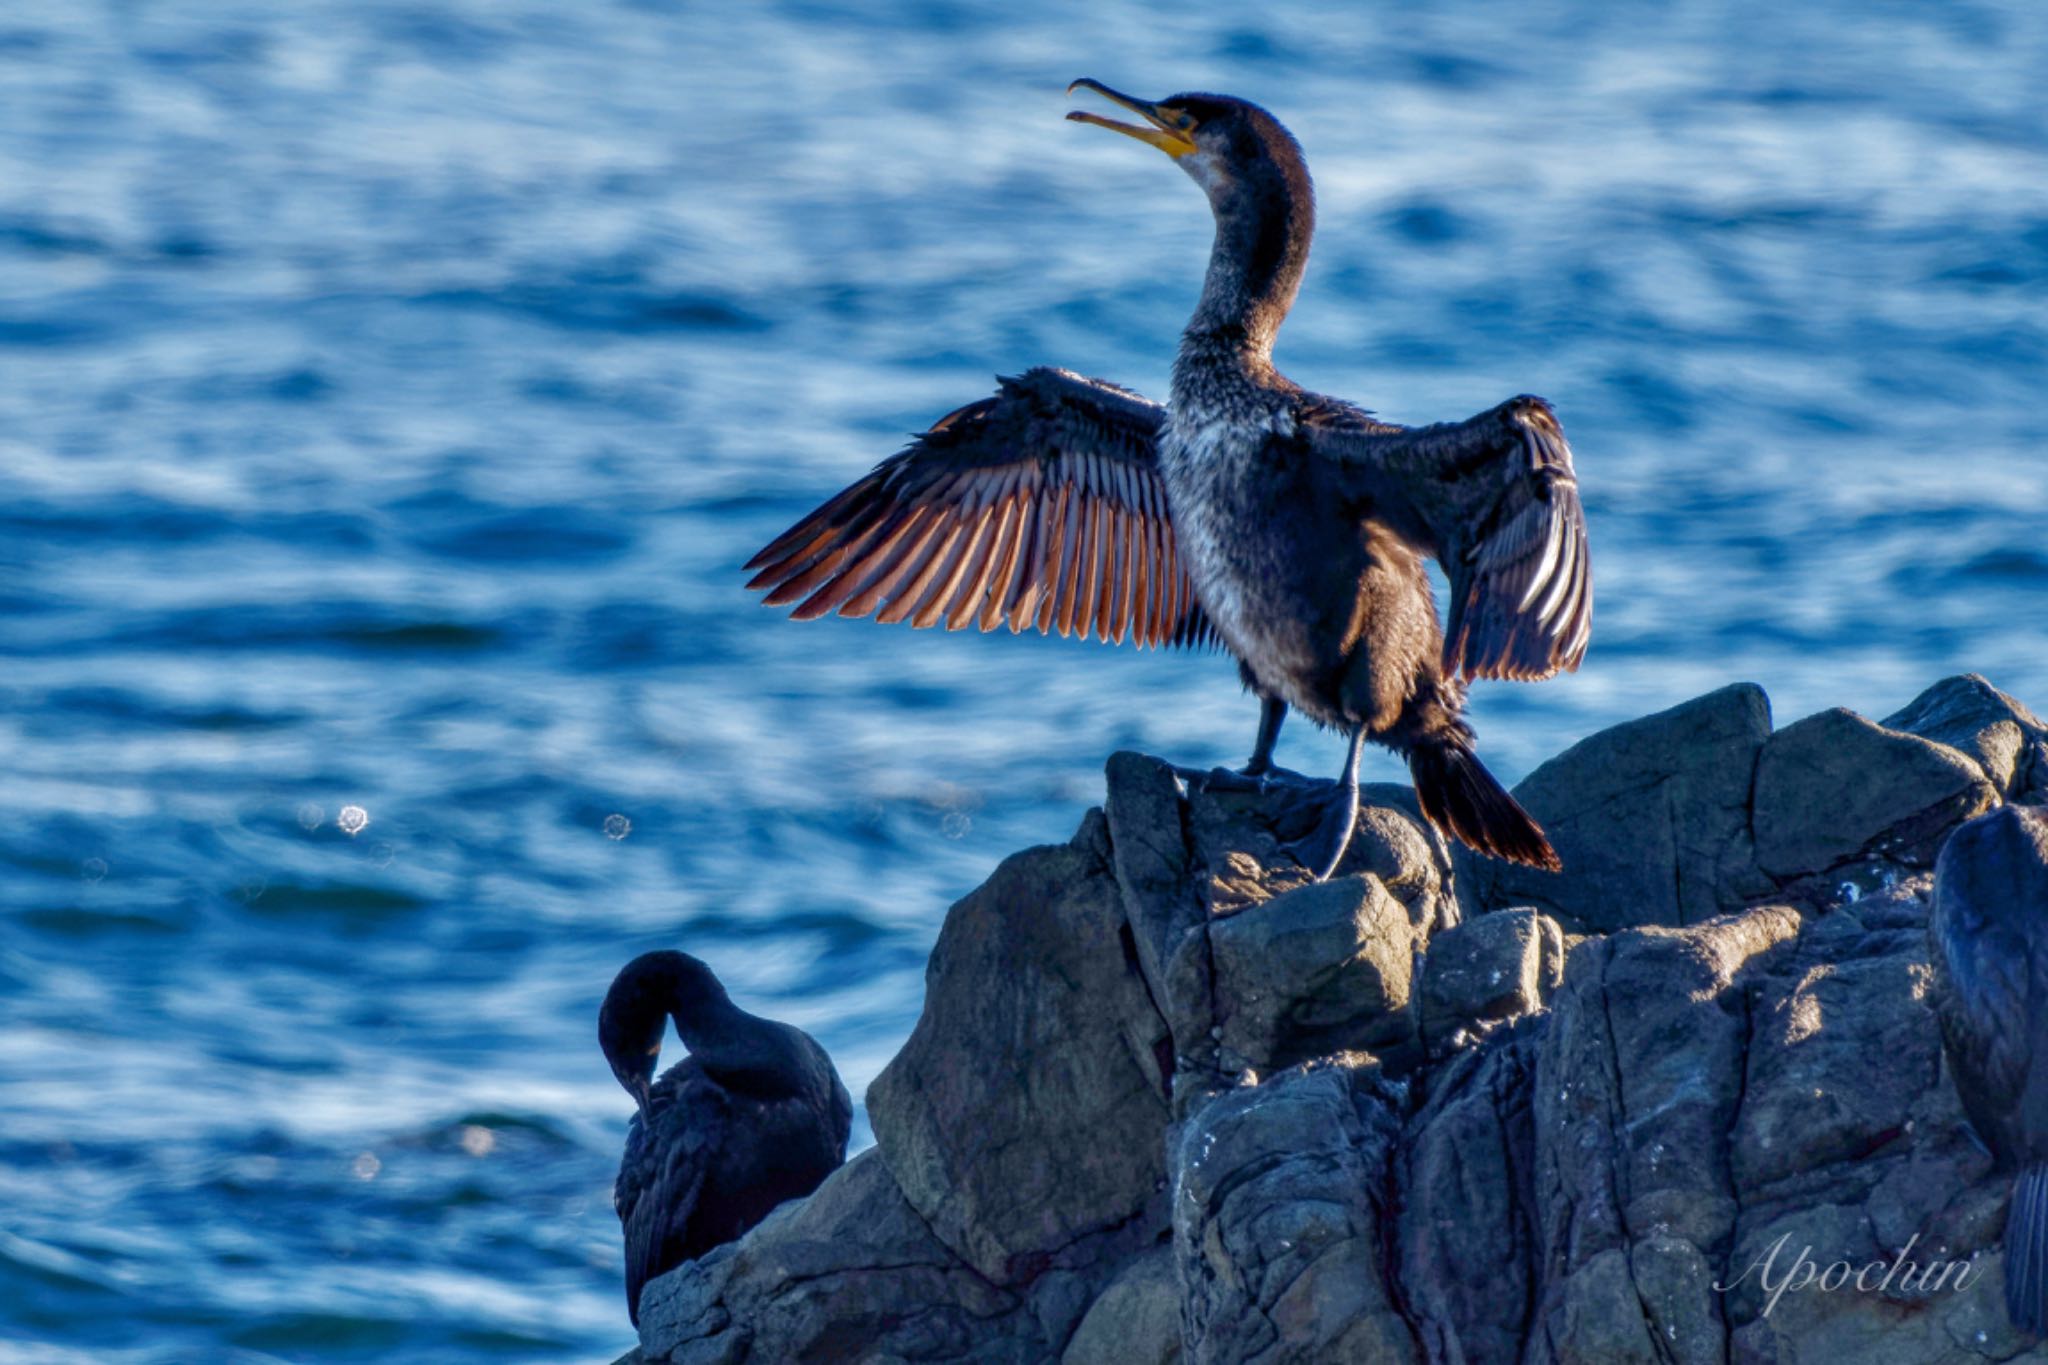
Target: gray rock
[[1280, 1193], [1038, 1037], [1236, 840], [1970, 715], [1394, 843], [1651, 818], [1835, 788], [1136, 1320], [1596, 1316], [850, 1271], [1491, 968], [1467, 1236], [1318, 969], [1638, 1082], [1812, 1097], [1155, 873]]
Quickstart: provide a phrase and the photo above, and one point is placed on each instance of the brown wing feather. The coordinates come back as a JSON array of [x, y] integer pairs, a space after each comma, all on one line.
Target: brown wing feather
[[1496, 500], [1524, 599], [1042, 505]]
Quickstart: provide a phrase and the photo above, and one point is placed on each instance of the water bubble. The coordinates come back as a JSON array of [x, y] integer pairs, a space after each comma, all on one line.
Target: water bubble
[[353, 820], [251, 890], [383, 854], [366, 1166], [617, 827], [1849, 892], [956, 824], [478, 1140], [93, 869], [311, 816]]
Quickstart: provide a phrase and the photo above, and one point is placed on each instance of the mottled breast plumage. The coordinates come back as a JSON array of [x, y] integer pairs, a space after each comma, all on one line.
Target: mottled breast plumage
[[1223, 466]]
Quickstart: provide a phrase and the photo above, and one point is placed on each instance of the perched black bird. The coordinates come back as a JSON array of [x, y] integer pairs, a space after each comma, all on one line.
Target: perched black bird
[[753, 1116], [1289, 526], [1988, 941]]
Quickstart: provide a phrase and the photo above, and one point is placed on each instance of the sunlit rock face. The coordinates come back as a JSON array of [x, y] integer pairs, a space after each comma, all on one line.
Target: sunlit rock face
[[1171, 1100]]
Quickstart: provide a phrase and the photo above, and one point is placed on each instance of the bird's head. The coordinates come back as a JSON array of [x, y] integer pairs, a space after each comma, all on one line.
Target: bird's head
[[636, 1011], [1236, 151]]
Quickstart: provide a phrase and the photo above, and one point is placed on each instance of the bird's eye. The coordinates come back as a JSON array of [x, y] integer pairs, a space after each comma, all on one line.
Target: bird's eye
[[1186, 123]]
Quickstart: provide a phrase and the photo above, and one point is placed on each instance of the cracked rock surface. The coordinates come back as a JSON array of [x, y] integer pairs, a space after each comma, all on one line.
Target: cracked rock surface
[[1168, 1101]]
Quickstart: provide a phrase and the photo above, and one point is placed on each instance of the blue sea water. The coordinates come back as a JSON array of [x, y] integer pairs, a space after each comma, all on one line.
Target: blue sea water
[[390, 390]]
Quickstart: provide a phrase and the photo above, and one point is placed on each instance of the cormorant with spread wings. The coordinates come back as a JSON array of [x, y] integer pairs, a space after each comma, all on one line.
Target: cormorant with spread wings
[[1287, 526]]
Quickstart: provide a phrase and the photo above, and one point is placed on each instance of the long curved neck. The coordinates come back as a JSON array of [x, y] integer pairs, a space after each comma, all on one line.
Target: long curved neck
[[739, 1050], [1255, 268]]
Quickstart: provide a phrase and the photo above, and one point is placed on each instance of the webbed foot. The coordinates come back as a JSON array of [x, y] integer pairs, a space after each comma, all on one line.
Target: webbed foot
[[1241, 779], [1322, 849]]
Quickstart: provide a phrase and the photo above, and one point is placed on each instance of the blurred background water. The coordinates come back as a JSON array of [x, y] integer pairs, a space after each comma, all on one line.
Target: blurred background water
[[390, 389]]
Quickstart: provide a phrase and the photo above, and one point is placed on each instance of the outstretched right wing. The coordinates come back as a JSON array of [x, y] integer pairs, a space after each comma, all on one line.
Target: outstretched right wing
[[1042, 505]]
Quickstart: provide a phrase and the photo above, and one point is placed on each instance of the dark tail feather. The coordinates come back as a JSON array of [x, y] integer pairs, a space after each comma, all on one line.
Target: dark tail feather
[[1462, 799], [2026, 1252]]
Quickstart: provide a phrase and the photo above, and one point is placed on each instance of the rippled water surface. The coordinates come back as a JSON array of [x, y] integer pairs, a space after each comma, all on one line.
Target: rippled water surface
[[389, 392]]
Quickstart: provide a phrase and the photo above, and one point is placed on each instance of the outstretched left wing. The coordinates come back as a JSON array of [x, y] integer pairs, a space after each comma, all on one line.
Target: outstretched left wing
[[1495, 499]]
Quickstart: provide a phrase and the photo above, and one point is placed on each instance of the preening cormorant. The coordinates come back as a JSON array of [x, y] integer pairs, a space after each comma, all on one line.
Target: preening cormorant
[[1988, 941], [1288, 526], [753, 1116]]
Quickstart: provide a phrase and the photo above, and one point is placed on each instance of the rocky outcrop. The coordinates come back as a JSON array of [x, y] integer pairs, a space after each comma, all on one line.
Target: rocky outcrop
[[1486, 971], [1651, 818], [1169, 1101], [2007, 741], [1280, 1192], [1035, 1021], [1887, 797]]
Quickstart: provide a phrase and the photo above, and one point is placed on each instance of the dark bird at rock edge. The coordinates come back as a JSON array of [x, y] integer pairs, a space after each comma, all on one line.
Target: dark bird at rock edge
[[1287, 526], [1988, 943], [754, 1116]]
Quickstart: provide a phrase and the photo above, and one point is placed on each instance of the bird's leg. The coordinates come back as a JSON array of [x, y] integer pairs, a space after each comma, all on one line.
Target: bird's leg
[[1259, 775], [1272, 711], [1323, 847]]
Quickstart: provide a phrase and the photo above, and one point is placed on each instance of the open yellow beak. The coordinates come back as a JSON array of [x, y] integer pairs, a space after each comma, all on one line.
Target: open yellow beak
[[1171, 132]]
